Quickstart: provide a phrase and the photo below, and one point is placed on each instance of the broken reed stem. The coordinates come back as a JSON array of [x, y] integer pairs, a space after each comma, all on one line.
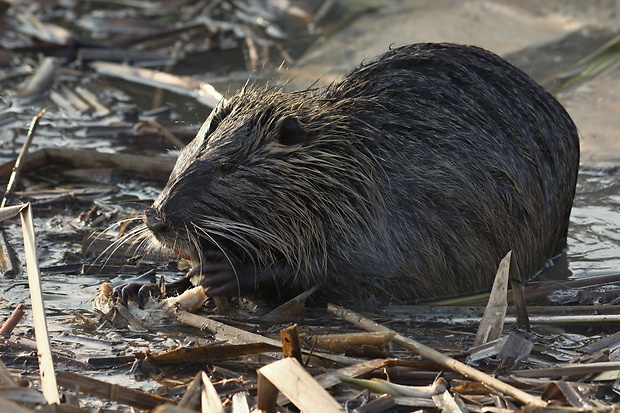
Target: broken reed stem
[[8, 382], [110, 391], [439, 358], [44, 348], [492, 324], [21, 158], [13, 320], [291, 346], [521, 312], [166, 134]]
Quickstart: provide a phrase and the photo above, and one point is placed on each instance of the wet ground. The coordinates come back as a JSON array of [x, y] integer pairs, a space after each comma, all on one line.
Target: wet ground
[[543, 38]]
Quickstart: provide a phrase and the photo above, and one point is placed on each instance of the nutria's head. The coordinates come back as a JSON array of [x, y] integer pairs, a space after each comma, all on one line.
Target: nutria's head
[[271, 178]]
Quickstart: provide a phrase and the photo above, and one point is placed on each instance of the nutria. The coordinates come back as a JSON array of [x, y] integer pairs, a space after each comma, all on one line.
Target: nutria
[[411, 177]]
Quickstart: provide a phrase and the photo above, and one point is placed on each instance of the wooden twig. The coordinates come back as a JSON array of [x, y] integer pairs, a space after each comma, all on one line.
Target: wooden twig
[[110, 391], [236, 335], [440, 358], [21, 158]]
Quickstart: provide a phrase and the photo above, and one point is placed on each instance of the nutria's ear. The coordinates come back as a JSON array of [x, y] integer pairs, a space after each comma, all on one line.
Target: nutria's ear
[[290, 131]]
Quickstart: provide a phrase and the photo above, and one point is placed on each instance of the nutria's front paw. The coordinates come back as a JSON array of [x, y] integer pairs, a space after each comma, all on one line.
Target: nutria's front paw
[[136, 292], [216, 274]]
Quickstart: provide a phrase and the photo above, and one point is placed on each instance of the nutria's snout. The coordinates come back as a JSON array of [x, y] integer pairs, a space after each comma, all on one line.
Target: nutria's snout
[[155, 221]]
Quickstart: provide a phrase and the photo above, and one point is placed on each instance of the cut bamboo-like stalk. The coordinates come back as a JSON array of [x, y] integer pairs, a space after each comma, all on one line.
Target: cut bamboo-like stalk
[[440, 358], [290, 378], [342, 342], [44, 349]]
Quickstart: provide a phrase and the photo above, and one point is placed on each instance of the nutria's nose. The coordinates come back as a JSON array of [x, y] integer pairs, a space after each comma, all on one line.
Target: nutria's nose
[[154, 221]]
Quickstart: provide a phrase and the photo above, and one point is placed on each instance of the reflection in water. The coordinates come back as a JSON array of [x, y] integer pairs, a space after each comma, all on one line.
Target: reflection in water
[[594, 234]]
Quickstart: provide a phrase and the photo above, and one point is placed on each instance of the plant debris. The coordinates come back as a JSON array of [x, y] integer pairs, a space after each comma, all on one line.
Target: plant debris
[[106, 89]]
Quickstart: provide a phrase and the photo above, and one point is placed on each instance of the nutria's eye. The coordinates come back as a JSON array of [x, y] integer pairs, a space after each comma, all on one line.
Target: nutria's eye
[[291, 132], [227, 167]]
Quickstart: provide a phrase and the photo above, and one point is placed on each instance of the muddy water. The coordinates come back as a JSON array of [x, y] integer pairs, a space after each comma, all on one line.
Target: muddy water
[[594, 236]]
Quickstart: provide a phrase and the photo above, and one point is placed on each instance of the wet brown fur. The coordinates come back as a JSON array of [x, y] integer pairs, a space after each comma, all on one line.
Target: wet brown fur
[[412, 177]]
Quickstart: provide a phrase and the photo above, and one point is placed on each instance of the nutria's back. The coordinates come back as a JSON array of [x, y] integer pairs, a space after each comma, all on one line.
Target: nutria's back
[[412, 177]]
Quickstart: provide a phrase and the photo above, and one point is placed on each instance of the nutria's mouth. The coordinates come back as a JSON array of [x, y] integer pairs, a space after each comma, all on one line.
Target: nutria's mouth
[[196, 256], [188, 244], [182, 254]]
